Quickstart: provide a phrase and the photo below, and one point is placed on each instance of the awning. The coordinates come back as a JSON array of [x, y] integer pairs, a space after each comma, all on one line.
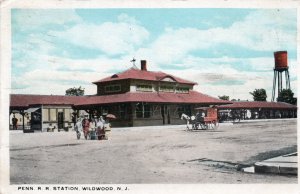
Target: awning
[[30, 110]]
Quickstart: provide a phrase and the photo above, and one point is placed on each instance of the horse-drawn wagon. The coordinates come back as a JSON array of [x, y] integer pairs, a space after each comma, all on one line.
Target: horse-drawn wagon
[[206, 118]]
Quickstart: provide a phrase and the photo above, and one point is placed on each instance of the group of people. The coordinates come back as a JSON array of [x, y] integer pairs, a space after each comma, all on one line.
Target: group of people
[[91, 128]]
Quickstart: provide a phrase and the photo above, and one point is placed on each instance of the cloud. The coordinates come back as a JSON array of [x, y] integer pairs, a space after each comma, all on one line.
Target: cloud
[[54, 82], [124, 18], [259, 31], [219, 76], [53, 75], [266, 30], [110, 38], [30, 19]]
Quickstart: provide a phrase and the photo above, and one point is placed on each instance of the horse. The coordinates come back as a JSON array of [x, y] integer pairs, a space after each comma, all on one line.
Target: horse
[[188, 120]]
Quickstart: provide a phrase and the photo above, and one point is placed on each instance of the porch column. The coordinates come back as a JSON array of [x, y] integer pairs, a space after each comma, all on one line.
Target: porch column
[[23, 115], [133, 115]]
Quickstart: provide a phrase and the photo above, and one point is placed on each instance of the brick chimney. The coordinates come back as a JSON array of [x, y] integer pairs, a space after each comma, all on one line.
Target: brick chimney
[[143, 65]]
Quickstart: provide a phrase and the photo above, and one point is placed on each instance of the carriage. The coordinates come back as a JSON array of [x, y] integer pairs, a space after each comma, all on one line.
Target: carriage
[[206, 118]]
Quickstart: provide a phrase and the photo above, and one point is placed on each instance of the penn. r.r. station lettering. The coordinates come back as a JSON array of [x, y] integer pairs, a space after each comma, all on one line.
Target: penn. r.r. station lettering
[[65, 188]]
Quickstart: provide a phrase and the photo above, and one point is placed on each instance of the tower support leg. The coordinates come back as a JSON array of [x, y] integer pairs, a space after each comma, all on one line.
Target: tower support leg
[[274, 85]]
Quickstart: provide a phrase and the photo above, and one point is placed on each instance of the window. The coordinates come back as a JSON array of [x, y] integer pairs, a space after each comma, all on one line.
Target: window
[[186, 109], [122, 108], [156, 110], [112, 88], [182, 90], [147, 111], [143, 110], [67, 114], [144, 88], [52, 114], [104, 110], [46, 114], [166, 88]]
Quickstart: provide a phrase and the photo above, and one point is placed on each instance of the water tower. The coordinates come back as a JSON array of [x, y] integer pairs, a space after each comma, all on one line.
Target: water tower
[[281, 65]]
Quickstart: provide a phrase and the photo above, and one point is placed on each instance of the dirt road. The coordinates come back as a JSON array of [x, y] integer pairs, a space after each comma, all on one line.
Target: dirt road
[[152, 155]]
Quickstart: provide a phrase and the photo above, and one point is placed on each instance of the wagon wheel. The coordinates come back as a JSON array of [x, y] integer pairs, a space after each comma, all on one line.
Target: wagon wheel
[[211, 125], [214, 124], [217, 124], [236, 119], [204, 126]]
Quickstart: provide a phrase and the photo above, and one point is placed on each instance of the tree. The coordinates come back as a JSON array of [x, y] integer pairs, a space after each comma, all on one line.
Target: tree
[[75, 91], [224, 97], [259, 95], [287, 95]]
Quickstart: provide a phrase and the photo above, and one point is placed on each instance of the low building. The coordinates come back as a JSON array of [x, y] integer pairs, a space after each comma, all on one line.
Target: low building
[[43, 112], [257, 110]]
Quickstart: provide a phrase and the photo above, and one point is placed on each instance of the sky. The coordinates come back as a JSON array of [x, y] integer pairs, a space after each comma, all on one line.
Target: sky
[[226, 51]]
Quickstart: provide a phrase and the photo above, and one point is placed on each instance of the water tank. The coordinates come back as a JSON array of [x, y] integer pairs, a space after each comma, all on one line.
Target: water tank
[[281, 61]]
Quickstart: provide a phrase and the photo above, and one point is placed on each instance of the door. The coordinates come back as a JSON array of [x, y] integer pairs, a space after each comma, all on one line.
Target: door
[[162, 110], [60, 120], [165, 113], [168, 114]]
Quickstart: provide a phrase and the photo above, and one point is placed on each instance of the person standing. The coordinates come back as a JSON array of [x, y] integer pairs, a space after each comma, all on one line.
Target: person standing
[[101, 128], [85, 126], [92, 128], [15, 123], [78, 128]]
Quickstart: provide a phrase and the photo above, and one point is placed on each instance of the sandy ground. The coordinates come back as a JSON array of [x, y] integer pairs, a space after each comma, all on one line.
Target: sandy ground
[[161, 154]]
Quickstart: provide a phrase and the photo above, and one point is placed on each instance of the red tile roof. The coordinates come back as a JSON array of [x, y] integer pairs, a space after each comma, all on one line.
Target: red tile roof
[[154, 97], [258, 104], [23, 101], [133, 73]]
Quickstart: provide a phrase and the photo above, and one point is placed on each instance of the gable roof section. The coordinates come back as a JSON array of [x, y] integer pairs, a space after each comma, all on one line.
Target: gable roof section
[[24, 101], [133, 73], [258, 104]]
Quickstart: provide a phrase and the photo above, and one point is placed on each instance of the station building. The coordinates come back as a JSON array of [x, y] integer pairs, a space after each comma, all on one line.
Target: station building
[[137, 97]]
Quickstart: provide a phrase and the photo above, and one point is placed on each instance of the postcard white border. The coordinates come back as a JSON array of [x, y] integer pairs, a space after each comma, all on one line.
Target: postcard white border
[[5, 72]]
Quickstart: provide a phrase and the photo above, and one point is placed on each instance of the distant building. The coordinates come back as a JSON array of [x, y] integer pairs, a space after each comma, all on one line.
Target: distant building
[[257, 110]]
